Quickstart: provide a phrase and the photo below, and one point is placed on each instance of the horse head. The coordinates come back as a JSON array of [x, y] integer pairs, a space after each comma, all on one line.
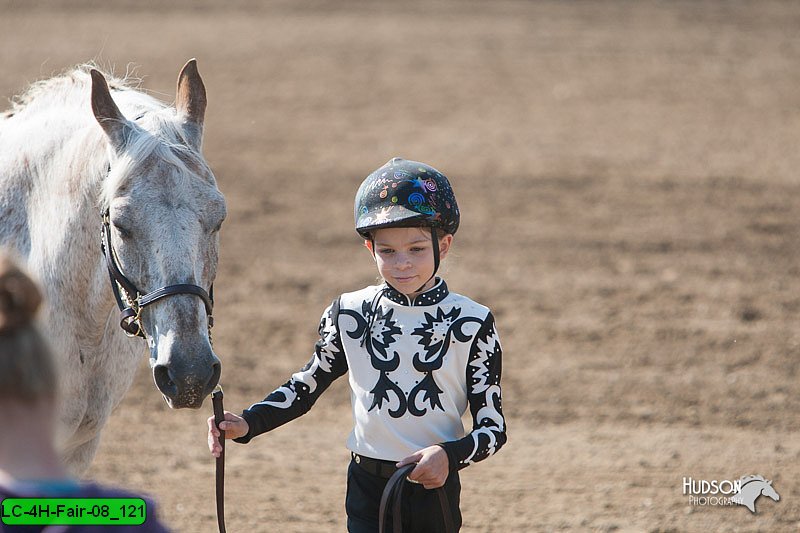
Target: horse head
[[164, 212], [768, 490]]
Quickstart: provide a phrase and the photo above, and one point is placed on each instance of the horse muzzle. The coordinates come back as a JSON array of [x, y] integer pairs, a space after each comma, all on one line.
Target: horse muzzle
[[187, 385]]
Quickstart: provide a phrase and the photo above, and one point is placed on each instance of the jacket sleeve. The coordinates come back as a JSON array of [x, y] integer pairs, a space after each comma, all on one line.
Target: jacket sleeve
[[296, 397], [485, 401]]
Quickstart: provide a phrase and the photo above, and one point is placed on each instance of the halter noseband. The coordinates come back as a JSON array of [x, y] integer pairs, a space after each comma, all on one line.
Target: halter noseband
[[131, 306]]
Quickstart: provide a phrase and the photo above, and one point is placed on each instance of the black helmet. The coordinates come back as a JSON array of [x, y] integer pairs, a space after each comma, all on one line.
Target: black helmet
[[405, 193]]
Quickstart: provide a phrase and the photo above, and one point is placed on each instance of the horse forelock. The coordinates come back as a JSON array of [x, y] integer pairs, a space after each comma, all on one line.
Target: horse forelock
[[143, 148], [156, 132]]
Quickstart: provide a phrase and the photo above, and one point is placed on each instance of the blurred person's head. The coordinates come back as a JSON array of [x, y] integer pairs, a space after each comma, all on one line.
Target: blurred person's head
[[27, 374], [27, 383]]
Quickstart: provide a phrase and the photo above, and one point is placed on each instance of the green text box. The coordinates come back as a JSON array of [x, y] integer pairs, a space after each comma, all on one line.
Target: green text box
[[73, 511]]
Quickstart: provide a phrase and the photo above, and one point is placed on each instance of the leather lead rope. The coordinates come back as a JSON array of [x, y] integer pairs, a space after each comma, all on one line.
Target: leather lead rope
[[393, 493], [216, 401]]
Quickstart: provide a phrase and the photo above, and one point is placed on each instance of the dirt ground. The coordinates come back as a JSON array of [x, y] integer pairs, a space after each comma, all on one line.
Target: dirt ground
[[627, 173]]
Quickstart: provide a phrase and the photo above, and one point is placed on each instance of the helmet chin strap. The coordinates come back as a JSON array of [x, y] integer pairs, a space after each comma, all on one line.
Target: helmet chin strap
[[436, 259]]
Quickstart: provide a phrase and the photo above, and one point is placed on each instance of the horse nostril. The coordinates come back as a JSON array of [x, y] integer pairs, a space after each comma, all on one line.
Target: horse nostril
[[216, 370], [164, 382]]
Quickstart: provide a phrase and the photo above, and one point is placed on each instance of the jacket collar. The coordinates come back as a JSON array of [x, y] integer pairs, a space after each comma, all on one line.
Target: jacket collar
[[432, 296]]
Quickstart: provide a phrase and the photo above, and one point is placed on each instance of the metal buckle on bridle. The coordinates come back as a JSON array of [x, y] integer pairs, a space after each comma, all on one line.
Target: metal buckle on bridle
[[131, 319]]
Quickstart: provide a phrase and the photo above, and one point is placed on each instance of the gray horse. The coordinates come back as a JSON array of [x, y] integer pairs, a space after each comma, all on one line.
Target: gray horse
[[79, 153]]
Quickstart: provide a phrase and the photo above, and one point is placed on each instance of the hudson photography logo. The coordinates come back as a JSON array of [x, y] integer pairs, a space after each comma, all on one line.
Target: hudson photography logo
[[723, 492]]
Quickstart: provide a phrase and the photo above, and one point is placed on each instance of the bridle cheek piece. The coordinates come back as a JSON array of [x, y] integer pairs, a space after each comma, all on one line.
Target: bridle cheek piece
[[134, 300]]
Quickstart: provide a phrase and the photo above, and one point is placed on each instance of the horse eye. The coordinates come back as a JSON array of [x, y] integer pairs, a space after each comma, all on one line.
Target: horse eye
[[124, 232], [217, 228]]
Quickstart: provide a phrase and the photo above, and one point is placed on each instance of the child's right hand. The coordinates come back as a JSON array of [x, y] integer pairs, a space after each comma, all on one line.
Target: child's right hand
[[234, 426]]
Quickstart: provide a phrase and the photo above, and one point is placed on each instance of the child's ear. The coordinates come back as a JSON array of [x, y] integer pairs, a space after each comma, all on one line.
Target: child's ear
[[368, 246], [444, 245]]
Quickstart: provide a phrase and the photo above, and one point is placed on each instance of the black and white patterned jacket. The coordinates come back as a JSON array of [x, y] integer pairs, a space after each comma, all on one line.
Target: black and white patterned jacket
[[414, 367]]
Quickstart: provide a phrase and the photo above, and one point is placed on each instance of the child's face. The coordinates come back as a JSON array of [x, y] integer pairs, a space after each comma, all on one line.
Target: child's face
[[405, 256]]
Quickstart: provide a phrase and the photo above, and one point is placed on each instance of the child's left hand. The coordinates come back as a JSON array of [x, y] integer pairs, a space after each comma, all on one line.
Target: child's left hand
[[432, 467]]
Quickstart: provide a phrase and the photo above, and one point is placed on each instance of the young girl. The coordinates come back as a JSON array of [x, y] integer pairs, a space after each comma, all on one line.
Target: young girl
[[417, 356]]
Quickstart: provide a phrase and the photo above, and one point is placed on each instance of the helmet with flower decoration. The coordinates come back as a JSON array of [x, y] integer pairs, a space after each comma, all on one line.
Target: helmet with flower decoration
[[405, 193]]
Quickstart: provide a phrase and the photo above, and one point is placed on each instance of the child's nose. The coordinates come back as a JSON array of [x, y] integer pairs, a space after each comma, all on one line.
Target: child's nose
[[402, 261]]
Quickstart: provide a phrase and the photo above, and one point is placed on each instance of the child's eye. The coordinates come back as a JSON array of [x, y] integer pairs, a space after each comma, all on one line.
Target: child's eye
[[417, 249], [385, 251]]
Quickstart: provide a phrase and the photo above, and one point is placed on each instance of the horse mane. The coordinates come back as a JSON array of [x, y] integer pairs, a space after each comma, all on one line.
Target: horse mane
[[67, 88], [156, 129], [747, 479]]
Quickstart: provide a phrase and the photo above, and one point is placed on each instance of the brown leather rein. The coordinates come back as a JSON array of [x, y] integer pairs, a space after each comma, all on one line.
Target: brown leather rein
[[216, 401], [393, 495]]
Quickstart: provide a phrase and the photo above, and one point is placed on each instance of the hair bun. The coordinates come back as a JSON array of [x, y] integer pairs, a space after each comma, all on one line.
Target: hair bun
[[19, 297]]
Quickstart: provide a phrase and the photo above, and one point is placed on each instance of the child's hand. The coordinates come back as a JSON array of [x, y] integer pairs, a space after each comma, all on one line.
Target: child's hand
[[432, 467], [234, 426]]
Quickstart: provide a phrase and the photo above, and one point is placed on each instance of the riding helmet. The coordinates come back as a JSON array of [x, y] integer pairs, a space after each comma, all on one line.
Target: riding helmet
[[405, 193]]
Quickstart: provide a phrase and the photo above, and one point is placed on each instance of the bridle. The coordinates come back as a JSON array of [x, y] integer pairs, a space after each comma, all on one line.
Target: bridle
[[131, 301]]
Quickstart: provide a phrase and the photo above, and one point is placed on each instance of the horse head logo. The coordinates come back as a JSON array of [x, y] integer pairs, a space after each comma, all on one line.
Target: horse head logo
[[751, 487]]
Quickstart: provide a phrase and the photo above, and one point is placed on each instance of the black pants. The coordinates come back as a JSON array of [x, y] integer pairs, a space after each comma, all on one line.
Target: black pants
[[422, 512]]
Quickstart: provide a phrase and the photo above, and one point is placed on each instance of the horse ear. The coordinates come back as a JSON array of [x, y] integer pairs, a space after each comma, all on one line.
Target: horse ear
[[191, 102], [106, 111]]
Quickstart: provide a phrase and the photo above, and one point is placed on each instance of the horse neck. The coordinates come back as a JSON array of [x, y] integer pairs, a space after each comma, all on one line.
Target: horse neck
[[61, 157], [67, 254]]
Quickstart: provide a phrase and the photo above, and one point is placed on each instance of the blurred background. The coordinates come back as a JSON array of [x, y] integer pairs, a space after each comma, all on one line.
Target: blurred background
[[627, 173]]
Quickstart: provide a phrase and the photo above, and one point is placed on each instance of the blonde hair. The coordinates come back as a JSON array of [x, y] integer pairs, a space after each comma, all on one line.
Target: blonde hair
[[27, 372]]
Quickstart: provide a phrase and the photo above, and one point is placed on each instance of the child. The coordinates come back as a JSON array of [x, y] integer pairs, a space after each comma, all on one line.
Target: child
[[417, 356], [29, 464]]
